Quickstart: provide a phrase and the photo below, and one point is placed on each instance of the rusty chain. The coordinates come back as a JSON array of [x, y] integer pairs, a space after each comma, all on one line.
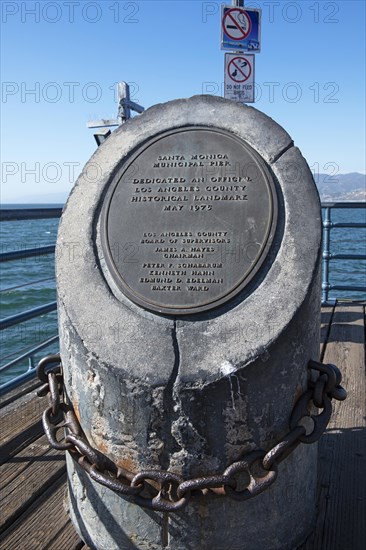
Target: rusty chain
[[169, 492]]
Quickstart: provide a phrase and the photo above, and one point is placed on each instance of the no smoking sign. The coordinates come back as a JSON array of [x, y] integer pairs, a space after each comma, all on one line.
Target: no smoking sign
[[240, 29], [239, 77], [236, 24]]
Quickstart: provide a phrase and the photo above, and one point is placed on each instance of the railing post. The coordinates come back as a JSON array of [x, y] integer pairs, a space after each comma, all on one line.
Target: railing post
[[327, 224], [31, 363]]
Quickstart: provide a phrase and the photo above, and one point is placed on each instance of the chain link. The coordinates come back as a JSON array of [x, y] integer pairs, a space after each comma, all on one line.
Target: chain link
[[166, 491]]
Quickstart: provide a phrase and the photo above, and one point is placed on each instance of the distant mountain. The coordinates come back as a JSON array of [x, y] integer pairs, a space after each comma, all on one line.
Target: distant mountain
[[341, 187]]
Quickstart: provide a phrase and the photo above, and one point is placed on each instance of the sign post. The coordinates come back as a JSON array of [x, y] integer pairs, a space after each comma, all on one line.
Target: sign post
[[240, 33]]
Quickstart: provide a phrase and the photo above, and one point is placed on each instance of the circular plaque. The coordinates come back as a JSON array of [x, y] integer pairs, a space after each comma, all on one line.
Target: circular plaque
[[189, 220]]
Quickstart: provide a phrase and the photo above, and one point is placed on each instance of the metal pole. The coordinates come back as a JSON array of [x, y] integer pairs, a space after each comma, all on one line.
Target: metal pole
[[124, 112], [327, 224], [238, 4]]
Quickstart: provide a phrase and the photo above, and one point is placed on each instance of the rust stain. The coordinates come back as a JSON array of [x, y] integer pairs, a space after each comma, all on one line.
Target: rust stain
[[75, 404], [100, 444], [127, 464]]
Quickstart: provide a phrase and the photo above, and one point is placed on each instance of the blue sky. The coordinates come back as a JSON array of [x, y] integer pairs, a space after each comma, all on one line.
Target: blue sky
[[60, 60]]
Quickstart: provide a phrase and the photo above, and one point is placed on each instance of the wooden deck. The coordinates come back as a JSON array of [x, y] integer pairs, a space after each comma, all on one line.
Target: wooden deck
[[33, 478]]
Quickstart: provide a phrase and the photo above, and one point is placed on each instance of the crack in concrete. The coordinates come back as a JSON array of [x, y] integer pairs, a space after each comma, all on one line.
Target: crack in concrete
[[170, 399], [274, 159]]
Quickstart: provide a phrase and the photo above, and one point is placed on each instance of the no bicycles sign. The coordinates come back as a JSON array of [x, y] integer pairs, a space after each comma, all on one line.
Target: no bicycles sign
[[240, 29], [239, 77]]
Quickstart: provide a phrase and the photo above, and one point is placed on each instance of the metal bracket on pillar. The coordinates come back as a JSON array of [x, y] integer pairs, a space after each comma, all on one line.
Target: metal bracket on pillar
[[102, 135], [125, 106]]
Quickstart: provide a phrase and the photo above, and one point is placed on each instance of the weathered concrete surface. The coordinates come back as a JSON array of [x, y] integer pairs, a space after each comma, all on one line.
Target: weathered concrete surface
[[192, 395]]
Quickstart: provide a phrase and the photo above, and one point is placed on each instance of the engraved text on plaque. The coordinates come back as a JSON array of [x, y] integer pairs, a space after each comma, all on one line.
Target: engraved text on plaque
[[189, 221]]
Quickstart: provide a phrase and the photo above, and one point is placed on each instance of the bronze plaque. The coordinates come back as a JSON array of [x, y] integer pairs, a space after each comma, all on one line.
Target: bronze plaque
[[189, 220]]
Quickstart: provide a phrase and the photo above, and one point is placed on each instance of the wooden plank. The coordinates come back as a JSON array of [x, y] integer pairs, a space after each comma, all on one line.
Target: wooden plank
[[325, 324], [21, 415], [30, 483], [64, 537], [44, 525], [16, 393], [346, 349], [20, 426], [19, 463], [342, 449], [32, 479]]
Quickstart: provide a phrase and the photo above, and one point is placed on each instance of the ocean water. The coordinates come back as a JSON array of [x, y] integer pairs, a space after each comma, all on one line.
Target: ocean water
[[27, 283], [348, 241]]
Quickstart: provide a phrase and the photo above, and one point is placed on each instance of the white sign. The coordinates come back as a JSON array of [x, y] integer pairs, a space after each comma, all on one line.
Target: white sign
[[239, 77], [240, 29]]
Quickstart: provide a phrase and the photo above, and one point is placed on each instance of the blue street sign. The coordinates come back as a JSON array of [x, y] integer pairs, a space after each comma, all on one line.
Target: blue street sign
[[240, 29]]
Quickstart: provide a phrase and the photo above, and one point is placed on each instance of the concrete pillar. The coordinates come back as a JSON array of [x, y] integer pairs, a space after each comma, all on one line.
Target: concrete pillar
[[157, 385]]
